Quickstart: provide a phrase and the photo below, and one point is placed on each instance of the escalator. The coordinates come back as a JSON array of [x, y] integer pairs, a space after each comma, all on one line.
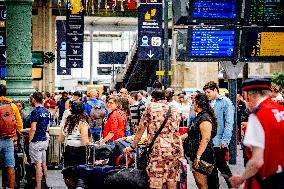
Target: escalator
[[142, 75]]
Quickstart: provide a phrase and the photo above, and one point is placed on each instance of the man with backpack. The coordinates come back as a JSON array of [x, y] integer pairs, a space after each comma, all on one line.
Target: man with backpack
[[96, 110], [10, 122]]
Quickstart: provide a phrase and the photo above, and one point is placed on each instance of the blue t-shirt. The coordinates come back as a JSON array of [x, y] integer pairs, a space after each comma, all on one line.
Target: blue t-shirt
[[40, 115]]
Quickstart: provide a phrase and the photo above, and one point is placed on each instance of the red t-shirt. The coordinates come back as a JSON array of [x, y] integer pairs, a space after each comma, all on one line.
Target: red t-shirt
[[49, 103], [116, 124]]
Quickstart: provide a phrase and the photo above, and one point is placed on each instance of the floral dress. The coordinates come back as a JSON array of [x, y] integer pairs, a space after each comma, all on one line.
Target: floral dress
[[164, 161]]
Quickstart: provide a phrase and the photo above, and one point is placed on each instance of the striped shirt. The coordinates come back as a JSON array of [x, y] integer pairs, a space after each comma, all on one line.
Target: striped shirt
[[134, 116]]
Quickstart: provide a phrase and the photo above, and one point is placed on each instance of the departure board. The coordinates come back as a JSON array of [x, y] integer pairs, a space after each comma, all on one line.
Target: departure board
[[264, 12], [214, 11], [212, 42], [263, 44]]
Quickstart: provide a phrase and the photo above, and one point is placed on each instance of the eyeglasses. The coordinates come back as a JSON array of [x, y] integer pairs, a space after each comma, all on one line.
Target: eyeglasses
[[110, 102]]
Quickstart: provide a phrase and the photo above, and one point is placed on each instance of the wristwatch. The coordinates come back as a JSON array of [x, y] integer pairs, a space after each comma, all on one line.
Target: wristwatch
[[198, 157]]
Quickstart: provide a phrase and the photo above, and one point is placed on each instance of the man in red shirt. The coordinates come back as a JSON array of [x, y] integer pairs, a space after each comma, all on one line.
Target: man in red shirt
[[49, 102], [265, 136]]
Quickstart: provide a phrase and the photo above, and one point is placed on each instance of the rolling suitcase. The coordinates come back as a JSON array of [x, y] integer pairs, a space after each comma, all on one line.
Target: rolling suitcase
[[128, 177], [94, 176]]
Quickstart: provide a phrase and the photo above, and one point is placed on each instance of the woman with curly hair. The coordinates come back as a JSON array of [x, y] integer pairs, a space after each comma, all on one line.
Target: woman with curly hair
[[75, 134]]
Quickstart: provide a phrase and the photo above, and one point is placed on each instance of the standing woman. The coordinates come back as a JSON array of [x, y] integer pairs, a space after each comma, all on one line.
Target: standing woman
[[164, 160], [200, 135], [115, 125], [75, 134]]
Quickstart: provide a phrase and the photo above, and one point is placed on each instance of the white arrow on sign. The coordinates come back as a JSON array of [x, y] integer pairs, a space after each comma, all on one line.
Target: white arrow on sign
[[64, 71], [75, 38], [4, 54], [150, 54], [74, 64]]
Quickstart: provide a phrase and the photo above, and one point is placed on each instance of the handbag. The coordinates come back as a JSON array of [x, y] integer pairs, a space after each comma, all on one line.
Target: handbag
[[143, 160], [204, 167]]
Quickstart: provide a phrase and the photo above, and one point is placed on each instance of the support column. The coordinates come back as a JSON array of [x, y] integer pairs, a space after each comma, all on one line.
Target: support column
[[232, 71], [19, 56], [166, 45]]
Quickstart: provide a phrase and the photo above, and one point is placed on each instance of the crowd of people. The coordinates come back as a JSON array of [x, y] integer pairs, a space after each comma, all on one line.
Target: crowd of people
[[208, 117]]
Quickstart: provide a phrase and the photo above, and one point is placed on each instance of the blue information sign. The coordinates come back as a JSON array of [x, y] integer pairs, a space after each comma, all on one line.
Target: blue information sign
[[150, 30], [212, 43], [215, 9], [209, 42], [61, 48]]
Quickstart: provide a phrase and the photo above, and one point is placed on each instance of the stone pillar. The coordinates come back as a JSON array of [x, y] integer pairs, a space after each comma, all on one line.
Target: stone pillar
[[19, 56]]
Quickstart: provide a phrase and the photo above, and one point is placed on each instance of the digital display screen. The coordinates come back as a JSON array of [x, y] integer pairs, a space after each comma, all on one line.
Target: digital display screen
[[112, 57], [37, 57], [263, 44], [214, 11], [2, 72], [37, 73], [212, 42], [264, 12]]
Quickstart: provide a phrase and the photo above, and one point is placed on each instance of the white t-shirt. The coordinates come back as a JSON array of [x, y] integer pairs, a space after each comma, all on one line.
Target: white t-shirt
[[254, 133], [279, 97], [175, 104]]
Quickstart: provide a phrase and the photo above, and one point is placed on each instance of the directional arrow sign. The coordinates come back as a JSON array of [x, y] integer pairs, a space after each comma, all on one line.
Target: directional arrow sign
[[150, 14], [4, 54], [64, 71], [150, 55], [74, 64], [75, 38]]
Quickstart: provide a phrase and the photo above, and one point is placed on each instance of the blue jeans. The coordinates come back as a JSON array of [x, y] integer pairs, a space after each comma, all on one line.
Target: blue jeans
[[7, 149]]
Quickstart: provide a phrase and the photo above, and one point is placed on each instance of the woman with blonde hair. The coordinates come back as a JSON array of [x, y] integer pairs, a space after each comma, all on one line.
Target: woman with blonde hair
[[115, 125]]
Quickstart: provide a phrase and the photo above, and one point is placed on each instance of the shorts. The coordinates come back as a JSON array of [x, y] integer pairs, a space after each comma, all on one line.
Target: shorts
[[7, 149], [37, 151]]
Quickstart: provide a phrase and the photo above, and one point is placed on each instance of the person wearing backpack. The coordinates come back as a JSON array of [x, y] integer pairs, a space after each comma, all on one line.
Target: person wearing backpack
[[10, 122], [96, 110]]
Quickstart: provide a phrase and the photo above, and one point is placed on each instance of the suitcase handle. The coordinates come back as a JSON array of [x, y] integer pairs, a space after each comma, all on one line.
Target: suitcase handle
[[128, 160]]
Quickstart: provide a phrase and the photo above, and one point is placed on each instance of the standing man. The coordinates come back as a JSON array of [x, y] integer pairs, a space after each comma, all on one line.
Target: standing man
[[134, 113], [265, 136], [96, 110], [60, 106], [123, 92], [38, 137], [224, 110], [169, 94], [10, 122]]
